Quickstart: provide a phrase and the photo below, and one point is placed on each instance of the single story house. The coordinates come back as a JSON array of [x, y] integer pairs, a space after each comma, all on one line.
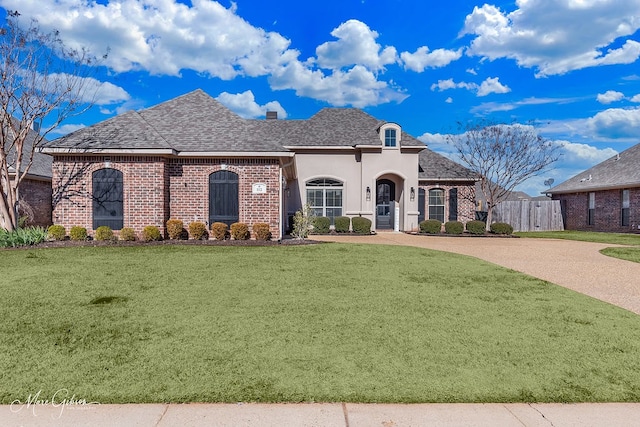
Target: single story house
[[192, 159], [605, 197], [35, 189]]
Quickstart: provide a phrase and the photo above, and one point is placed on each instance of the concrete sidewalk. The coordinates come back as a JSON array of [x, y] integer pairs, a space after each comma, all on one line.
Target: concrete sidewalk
[[320, 415]]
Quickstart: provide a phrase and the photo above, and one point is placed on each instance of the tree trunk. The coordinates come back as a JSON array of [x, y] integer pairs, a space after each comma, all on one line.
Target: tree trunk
[[489, 217]]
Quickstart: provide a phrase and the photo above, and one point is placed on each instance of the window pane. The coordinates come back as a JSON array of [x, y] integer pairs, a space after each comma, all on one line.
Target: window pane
[[436, 212], [390, 138], [314, 198], [334, 198], [625, 199], [333, 213], [108, 198]]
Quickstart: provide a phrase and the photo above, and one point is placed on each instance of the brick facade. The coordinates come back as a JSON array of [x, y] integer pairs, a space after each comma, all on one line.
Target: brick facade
[[37, 195], [156, 189], [466, 200], [607, 214]]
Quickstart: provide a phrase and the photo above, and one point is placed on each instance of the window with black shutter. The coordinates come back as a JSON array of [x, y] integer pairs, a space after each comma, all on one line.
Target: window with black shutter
[[223, 197], [107, 195], [453, 204]]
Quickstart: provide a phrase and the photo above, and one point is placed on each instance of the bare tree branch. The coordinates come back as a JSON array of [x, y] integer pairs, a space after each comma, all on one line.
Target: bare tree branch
[[503, 156], [40, 78]]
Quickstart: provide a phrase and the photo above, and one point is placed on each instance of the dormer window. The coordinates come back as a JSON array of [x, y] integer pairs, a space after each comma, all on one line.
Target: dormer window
[[389, 137]]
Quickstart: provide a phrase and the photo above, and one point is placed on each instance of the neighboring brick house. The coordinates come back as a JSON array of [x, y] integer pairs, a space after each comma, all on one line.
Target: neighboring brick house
[[35, 189], [605, 197], [192, 159]]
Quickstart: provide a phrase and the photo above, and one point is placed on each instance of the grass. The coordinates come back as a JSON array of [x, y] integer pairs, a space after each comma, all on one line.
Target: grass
[[332, 322], [586, 236], [629, 254]]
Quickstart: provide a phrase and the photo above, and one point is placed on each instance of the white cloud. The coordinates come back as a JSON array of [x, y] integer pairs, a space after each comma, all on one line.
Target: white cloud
[[449, 100], [489, 86], [556, 36], [356, 45], [636, 98], [492, 85], [616, 123], [245, 105], [472, 71], [433, 138], [65, 129], [164, 37], [423, 59], [576, 152], [609, 96]]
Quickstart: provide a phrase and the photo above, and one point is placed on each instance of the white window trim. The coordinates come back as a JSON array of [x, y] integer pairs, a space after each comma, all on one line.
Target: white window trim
[[398, 130]]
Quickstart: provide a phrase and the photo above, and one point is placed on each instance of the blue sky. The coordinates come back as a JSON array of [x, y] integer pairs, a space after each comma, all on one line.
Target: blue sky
[[569, 66]]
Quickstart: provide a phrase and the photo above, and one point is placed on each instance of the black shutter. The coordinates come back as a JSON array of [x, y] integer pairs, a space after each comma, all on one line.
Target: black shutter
[[108, 206], [422, 204], [453, 204], [223, 197]]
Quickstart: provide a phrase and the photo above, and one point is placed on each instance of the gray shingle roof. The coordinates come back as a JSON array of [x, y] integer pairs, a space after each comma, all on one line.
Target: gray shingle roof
[[41, 165], [196, 122], [620, 171], [436, 167]]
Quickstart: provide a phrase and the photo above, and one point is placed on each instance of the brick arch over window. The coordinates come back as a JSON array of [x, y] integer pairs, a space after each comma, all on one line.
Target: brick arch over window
[[108, 198], [224, 203]]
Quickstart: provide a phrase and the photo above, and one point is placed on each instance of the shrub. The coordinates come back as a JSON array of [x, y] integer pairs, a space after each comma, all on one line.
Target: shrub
[[501, 228], [78, 233], [430, 226], [476, 227], [261, 231], [175, 227], [361, 225], [342, 224], [56, 232], [321, 225], [128, 234], [240, 231], [453, 227], [151, 233], [219, 230], [303, 222], [198, 230], [22, 236], [104, 233]]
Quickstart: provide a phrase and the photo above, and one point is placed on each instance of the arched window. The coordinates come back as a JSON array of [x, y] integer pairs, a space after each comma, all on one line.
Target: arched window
[[436, 204], [108, 199], [324, 195], [223, 197]]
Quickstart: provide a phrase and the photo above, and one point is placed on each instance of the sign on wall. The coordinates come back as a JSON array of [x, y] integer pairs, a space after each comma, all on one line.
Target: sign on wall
[[259, 188]]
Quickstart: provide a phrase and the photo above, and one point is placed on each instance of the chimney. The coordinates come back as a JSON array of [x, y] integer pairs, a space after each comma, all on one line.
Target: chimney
[[272, 115]]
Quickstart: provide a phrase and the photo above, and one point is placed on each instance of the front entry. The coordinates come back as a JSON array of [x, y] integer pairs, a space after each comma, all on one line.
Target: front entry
[[385, 193]]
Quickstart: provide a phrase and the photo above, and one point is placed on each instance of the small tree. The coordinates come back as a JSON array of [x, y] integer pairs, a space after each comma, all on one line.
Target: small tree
[[503, 156], [303, 222], [40, 78]]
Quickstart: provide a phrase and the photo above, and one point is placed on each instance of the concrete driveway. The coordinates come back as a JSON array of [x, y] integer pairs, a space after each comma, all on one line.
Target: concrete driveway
[[575, 265]]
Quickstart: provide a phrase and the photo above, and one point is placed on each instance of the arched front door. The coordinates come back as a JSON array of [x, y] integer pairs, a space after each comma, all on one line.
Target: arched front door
[[223, 197], [385, 193]]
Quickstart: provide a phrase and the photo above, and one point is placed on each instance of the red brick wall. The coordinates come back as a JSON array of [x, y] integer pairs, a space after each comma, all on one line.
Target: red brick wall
[[466, 200], [143, 187], [608, 215], [156, 189], [37, 194], [189, 190]]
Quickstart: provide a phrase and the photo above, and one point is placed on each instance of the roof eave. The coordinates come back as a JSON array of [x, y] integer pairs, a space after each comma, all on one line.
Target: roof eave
[[594, 188], [235, 154], [91, 152]]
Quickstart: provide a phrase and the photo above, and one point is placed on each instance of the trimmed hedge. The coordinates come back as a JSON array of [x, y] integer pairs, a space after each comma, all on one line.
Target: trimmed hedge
[[341, 223], [261, 231], [240, 231], [128, 234], [56, 232], [321, 225], [501, 228], [151, 233], [78, 233], [361, 225], [104, 232], [175, 228], [476, 227], [198, 230], [219, 230], [430, 226], [453, 227]]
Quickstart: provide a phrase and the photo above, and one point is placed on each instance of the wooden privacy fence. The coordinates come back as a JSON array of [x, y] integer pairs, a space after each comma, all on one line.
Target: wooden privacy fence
[[530, 215]]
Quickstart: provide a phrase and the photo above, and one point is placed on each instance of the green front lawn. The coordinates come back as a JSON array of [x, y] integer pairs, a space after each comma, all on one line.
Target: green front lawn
[[629, 254], [331, 322]]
